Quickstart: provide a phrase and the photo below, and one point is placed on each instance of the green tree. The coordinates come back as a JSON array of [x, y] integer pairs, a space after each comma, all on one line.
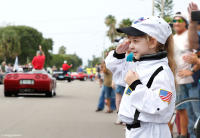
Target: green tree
[[9, 44], [95, 60], [62, 50], [30, 39], [23, 41], [47, 46], [110, 22], [167, 10], [58, 59], [125, 23], [74, 60]]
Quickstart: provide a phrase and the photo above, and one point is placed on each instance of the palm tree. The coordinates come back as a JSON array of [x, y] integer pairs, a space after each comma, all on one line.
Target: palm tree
[[62, 50], [110, 21], [124, 23], [167, 9]]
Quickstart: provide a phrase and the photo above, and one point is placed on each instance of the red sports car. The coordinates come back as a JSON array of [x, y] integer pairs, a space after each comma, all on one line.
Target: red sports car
[[79, 76], [29, 82], [91, 77]]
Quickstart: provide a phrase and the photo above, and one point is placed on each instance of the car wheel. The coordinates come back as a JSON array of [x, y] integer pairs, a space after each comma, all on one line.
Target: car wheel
[[54, 94], [16, 94], [54, 91], [85, 78], [50, 94], [7, 94]]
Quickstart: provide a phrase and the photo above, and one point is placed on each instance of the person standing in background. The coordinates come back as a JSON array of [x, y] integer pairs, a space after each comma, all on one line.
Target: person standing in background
[[107, 91], [80, 69], [3, 67], [66, 67], [185, 40]]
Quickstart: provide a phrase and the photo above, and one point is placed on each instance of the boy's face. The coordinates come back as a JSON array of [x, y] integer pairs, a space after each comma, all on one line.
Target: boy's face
[[139, 46]]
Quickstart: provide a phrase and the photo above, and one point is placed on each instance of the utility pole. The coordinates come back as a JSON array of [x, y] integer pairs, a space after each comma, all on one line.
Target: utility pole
[[162, 8], [153, 4]]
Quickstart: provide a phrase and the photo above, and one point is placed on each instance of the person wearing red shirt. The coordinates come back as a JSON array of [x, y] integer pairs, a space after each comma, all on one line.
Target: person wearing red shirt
[[39, 60], [65, 67]]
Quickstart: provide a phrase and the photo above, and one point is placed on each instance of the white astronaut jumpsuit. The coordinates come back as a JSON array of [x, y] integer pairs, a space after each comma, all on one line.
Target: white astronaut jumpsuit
[[146, 108]]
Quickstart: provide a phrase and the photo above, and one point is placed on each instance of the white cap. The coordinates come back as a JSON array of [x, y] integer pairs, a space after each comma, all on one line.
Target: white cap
[[179, 14], [153, 26], [183, 16], [65, 61]]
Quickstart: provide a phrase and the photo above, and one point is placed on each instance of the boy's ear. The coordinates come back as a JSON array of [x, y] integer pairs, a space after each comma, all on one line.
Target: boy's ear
[[153, 43]]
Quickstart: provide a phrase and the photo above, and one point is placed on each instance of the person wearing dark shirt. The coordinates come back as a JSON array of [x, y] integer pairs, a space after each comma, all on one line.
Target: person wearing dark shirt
[[66, 67], [39, 60]]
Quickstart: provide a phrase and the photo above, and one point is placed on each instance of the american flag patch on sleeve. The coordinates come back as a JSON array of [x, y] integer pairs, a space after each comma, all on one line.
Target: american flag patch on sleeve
[[129, 91], [165, 95]]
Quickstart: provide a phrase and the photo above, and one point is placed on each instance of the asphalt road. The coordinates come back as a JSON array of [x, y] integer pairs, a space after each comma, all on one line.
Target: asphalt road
[[71, 114]]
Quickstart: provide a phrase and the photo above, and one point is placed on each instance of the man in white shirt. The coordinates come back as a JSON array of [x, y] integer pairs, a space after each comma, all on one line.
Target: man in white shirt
[[184, 45]]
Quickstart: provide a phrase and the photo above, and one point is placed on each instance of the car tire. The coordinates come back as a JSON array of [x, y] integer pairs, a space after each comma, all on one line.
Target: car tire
[[69, 80], [7, 94], [54, 94], [49, 94], [85, 78], [54, 91], [16, 94]]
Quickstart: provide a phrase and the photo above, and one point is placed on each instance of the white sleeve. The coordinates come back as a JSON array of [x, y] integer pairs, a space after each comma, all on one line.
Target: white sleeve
[[118, 67], [154, 100]]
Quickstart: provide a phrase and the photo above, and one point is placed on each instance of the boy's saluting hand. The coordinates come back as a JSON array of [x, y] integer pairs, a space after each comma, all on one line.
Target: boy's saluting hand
[[131, 77], [123, 47]]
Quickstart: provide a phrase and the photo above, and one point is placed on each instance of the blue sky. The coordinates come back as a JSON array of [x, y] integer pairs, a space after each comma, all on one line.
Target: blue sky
[[76, 24]]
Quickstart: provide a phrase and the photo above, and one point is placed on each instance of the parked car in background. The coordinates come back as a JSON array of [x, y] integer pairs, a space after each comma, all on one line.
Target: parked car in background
[[79, 76], [34, 82], [91, 77], [58, 74]]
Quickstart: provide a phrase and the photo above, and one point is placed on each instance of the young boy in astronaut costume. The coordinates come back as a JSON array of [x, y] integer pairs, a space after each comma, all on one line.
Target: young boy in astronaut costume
[[149, 98]]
